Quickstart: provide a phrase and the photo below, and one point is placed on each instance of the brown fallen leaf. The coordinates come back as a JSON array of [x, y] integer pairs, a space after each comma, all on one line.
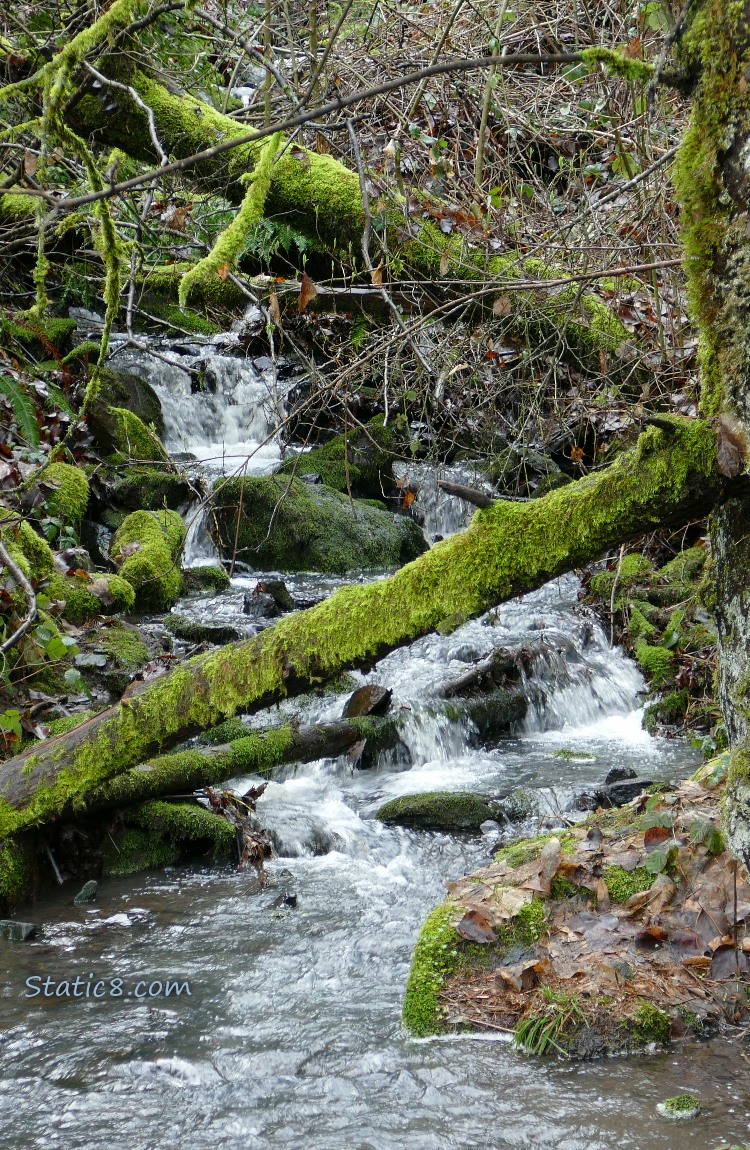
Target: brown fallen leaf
[[307, 292], [476, 927]]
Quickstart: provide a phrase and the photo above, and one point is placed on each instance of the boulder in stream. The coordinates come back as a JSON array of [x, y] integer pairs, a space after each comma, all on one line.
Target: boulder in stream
[[439, 811], [368, 700], [286, 525]]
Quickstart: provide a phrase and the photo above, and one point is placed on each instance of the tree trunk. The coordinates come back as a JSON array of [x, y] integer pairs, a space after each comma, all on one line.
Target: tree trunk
[[510, 548], [712, 178]]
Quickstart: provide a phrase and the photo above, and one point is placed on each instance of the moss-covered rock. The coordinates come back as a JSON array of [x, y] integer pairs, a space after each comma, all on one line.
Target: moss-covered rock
[[124, 651], [159, 834], [16, 872], [438, 811], [205, 580], [146, 488], [32, 553], [193, 631], [146, 548], [39, 339], [115, 595], [69, 497], [367, 452], [123, 389], [120, 434], [288, 525]]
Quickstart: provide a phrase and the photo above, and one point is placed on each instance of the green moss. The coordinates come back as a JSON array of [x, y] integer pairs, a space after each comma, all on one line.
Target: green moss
[[525, 928], [205, 580], [125, 390], [622, 884], [152, 568], [624, 67], [148, 488], [132, 439], [669, 711], [656, 662], [368, 452], [85, 353], [225, 732], [681, 1106], [648, 1024], [69, 499], [16, 873], [635, 568], [569, 754], [134, 850], [529, 850], [184, 319], [438, 810], [40, 338], [686, 566], [124, 646], [288, 525], [66, 723], [639, 626], [32, 553], [563, 888], [435, 959], [185, 823], [193, 631], [81, 604]]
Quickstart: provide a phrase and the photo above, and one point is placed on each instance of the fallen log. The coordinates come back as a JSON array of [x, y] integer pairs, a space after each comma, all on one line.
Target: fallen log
[[510, 548]]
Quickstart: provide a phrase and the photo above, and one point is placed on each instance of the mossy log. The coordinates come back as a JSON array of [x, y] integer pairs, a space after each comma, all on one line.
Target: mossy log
[[510, 548], [256, 752]]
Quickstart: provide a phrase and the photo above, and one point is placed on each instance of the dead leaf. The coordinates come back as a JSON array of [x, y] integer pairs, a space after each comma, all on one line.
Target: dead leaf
[[223, 271], [655, 836], [273, 307], [30, 163], [408, 499], [307, 292], [377, 275], [502, 306], [445, 263], [727, 961], [476, 927]]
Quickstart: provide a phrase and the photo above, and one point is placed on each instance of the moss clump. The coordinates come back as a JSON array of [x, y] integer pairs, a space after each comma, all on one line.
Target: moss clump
[[146, 548], [682, 1106], [686, 566], [648, 1024], [40, 339], [287, 525], [368, 452], [205, 580], [32, 553], [438, 811], [635, 568], [183, 319], [225, 732], [563, 888], [66, 723], [159, 833], [81, 604], [573, 756], [529, 850], [70, 495], [124, 646], [147, 488], [435, 958], [133, 440], [668, 712], [87, 352], [16, 873], [622, 884], [525, 928], [124, 390], [656, 662], [639, 626], [193, 631]]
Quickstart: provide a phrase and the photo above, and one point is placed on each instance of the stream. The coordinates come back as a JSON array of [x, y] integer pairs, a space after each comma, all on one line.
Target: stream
[[290, 1035]]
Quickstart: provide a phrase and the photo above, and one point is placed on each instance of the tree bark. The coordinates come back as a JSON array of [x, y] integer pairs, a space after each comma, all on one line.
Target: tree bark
[[509, 549]]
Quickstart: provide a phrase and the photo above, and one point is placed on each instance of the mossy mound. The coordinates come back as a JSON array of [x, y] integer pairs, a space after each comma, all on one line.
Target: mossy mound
[[438, 811], [366, 454], [147, 547], [147, 488], [661, 616], [120, 434], [114, 595], [70, 495], [123, 389], [193, 631], [32, 553], [159, 834], [124, 651], [35, 338], [205, 580], [288, 525]]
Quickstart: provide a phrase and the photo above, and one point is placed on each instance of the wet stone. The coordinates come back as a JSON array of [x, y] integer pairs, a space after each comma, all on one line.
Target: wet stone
[[86, 894], [619, 774], [369, 700], [14, 931]]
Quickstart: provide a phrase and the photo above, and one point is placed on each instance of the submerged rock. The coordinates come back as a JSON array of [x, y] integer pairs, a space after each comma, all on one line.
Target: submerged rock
[[439, 811], [209, 580], [12, 930]]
